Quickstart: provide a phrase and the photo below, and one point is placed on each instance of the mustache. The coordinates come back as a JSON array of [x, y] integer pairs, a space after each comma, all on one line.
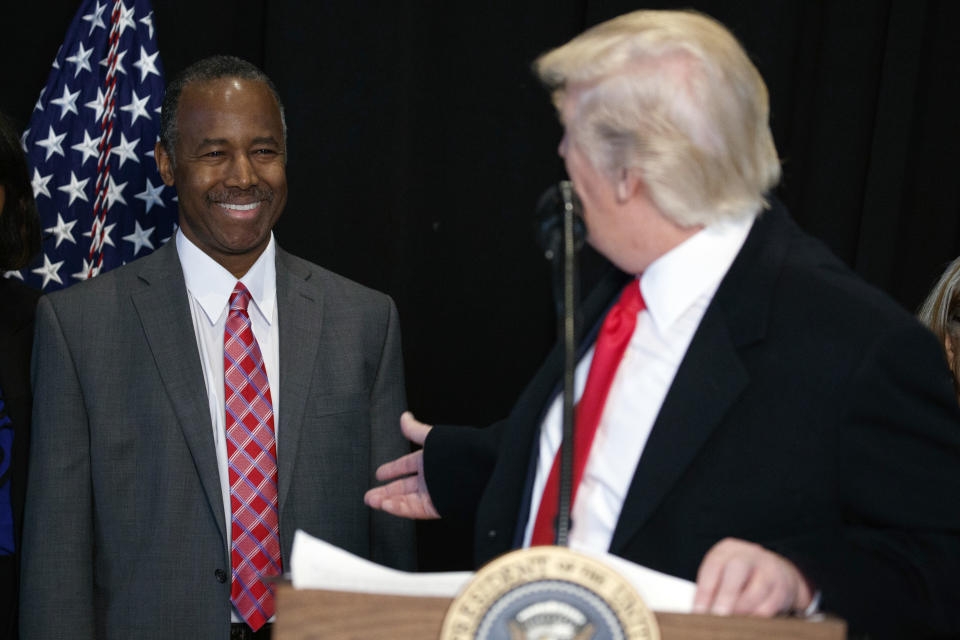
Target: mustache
[[252, 194]]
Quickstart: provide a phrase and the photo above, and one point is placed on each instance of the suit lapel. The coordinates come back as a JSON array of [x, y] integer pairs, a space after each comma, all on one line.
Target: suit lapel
[[164, 314], [300, 314], [712, 375]]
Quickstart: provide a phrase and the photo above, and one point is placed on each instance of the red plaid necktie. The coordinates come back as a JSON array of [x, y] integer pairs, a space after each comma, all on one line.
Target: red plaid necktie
[[252, 456], [614, 336]]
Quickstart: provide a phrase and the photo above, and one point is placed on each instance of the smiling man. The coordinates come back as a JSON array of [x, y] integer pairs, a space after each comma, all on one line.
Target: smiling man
[[196, 407]]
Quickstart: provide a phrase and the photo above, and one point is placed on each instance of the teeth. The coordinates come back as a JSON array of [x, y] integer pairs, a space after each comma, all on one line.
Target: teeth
[[239, 207]]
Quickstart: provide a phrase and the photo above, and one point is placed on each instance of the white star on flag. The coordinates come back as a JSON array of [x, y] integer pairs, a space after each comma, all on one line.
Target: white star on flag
[[120, 69], [89, 148], [114, 192], [140, 237], [49, 271], [151, 195], [126, 18], [75, 188], [136, 107], [148, 20], [53, 143], [95, 18], [126, 150], [97, 104], [67, 102], [81, 60], [85, 271], [107, 240], [39, 184], [146, 64], [62, 230]]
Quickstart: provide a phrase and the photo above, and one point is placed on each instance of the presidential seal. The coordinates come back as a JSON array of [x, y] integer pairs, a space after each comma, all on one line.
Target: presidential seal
[[548, 593]]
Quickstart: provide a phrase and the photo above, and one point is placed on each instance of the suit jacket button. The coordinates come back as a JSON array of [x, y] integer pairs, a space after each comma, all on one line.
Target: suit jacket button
[[492, 533], [221, 575]]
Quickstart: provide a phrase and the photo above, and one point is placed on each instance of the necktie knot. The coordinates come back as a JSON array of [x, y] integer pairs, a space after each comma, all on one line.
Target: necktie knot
[[631, 300], [622, 315], [240, 298]]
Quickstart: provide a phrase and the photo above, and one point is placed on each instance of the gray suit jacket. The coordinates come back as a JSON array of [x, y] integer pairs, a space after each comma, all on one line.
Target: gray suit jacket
[[124, 533]]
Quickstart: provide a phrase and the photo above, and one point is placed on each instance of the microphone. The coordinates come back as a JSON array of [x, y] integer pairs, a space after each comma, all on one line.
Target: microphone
[[551, 206]]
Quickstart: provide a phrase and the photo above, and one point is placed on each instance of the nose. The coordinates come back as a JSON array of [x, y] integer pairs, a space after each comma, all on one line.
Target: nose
[[242, 172]]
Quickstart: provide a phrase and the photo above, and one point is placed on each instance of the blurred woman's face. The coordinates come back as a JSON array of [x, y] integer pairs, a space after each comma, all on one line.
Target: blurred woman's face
[[951, 344]]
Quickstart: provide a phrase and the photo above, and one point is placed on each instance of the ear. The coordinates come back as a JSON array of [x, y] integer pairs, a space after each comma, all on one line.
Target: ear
[[628, 185], [164, 163], [948, 347]]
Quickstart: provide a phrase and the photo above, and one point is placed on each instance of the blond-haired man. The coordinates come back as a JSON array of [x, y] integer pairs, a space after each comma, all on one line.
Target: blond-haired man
[[775, 428]]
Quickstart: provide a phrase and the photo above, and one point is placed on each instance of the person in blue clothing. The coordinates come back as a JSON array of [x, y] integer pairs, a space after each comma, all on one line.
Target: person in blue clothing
[[19, 242]]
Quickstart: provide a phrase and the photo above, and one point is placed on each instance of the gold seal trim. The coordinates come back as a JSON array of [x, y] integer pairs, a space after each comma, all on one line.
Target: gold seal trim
[[540, 564]]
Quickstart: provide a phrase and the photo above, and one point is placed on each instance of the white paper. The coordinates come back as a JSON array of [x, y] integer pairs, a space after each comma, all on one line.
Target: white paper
[[660, 591], [315, 564]]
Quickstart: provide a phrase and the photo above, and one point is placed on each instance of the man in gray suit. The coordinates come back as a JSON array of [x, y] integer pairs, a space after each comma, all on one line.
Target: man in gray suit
[[135, 520]]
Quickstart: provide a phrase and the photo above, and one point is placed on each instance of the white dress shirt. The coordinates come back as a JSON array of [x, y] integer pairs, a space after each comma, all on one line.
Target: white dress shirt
[[209, 286], [677, 289]]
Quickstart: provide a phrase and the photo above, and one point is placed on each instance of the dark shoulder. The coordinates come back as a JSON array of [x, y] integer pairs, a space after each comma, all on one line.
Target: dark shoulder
[[106, 289], [335, 288], [814, 285], [19, 302]]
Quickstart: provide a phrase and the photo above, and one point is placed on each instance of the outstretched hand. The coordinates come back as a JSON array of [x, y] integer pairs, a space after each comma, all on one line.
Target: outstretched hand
[[405, 493]]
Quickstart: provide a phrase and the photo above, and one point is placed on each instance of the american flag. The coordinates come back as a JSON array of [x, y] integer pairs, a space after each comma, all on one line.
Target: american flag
[[90, 147]]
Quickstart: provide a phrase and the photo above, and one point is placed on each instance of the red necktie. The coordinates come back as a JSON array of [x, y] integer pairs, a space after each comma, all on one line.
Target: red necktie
[[252, 460], [614, 336]]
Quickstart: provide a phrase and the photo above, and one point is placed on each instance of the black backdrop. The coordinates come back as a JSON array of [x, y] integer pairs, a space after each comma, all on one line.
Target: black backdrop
[[419, 142]]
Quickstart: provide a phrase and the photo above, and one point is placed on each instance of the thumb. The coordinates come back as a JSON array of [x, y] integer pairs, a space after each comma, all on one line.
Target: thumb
[[413, 430]]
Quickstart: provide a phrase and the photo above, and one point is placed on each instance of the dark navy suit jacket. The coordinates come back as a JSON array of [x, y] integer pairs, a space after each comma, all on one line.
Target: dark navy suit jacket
[[811, 415]]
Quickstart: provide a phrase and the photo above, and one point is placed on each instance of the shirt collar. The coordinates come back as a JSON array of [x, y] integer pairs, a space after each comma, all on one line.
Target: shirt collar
[[692, 269], [211, 285]]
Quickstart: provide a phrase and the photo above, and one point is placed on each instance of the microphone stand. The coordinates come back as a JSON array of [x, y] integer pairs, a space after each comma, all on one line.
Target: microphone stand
[[561, 224], [569, 333]]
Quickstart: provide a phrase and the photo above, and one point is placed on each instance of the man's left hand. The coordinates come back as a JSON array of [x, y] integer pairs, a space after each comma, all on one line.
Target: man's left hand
[[738, 577]]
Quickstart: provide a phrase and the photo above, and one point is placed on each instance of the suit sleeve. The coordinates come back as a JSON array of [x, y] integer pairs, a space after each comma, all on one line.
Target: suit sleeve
[[392, 539], [458, 462], [58, 540], [896, 557]]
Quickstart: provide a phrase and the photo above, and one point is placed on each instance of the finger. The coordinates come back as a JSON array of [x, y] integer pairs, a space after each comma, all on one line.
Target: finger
[[376, 496], [785, 582], [708, 579], [756, 594], [736, 572], [413, 430], [402, 498], [416, 506], [778, 599], [402, 466]]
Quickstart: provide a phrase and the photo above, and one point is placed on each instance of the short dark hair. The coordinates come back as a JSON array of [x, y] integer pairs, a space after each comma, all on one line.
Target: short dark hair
[[19, 221], [206, 70]]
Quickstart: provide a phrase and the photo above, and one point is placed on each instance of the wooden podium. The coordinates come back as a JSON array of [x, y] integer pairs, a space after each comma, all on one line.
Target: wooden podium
[[337, 615]]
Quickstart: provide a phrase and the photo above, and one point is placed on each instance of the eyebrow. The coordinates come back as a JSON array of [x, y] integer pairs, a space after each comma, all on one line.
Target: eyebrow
[[265, 140], [209, 142]]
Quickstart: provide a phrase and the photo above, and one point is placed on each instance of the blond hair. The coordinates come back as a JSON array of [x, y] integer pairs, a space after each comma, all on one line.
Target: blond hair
[[941, 312], [673, 95]]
